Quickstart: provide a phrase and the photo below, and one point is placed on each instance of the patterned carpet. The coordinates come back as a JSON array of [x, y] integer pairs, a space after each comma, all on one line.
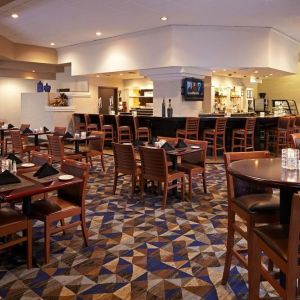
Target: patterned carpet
[[137, 251]]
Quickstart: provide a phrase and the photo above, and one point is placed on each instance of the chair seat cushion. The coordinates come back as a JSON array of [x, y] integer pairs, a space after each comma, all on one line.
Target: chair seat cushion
[[10, 216], [258, 202], [50, 206], [276, 237]]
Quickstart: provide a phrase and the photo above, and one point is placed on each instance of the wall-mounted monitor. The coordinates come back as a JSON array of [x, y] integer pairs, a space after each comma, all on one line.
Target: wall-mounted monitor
[[193, 89]]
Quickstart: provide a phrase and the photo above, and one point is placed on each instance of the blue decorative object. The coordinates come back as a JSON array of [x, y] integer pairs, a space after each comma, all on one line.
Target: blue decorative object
[[47, 88], [40, 87]]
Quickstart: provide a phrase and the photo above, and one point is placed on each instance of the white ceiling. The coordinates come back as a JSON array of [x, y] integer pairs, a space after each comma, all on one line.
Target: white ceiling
[[68, 22]]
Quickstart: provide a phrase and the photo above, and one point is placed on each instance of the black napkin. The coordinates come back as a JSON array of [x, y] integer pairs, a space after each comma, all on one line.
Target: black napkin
[[68, 135], [14, 158], [7, 178], [138, 143], [27, 130], [44, 171], [45, 129], [153, 140], [181, 144], [10, 126], [167, 146]]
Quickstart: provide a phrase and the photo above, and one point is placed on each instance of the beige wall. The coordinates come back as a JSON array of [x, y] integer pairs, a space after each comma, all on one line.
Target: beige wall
[[285, 87]]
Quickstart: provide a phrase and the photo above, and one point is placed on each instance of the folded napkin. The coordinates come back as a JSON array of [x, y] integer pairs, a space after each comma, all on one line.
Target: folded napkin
[[27, 130], [153, 140], [12, 157], [44, 171], [10, 126], [181, 144], [167, 146], [45, 129], [68, 135], [7, 178], [138, 143]]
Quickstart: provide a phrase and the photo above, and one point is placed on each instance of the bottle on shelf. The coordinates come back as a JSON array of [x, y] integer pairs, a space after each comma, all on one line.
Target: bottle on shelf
[[163, 108], [170, 110]]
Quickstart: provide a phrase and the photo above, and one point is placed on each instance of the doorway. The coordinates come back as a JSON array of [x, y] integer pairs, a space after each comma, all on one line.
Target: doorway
[[105, 93]]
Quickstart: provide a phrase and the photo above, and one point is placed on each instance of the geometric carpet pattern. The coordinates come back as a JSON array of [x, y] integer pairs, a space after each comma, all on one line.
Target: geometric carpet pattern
[[136, 250]]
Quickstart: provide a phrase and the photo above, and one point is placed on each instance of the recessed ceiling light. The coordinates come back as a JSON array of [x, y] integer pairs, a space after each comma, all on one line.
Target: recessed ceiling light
[[33, 71], [266, 76], [98, 76], [224, 70], [15, 16], [121, 74], [164, 18], [214, 71], [255, 71], [98, 33], [271, 74], [52, 44]]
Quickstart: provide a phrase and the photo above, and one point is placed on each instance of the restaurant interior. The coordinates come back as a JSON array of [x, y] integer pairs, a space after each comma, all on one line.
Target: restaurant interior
[[149, 149]]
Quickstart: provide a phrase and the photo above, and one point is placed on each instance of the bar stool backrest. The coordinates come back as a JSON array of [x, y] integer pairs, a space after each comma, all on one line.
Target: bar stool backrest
[[250, 124], [297, 121], [192, 124], [292, 122], [154, 163], [220, 124], [124, 156], [283, 123], [295, 140], [101, 119]]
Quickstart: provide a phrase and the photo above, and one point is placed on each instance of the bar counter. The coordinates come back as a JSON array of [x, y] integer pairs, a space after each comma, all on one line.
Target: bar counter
[[168, 126]]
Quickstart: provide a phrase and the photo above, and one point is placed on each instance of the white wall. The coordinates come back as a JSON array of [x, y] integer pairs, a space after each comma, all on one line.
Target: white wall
[[10, 97]]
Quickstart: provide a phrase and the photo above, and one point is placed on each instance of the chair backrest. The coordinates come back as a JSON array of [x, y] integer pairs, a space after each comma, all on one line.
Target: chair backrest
[[136, 123], [192, 124], [16, 140], [117, 120], [124, 156], [284, 122], [294, 233], [39, 158], [75, 193], [56, 147], [24, 126], [168, 139], [198, 157], [295, 140], [292, 122], [101, 119], [98, 143], [154, 163], [59, 130], [220, 124], [297, 121], [237, 187], [250, 124]]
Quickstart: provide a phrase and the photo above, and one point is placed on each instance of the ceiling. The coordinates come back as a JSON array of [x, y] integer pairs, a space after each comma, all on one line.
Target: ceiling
[[71, 22]]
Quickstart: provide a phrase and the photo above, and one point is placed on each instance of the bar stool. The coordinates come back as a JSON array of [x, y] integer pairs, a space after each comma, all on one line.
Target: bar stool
[[297, 124], [108, 129], [123, 132], [88, 123], [79, 122], [191, 129], [277, 138], [216, 137], [141, 133], [243, 138]]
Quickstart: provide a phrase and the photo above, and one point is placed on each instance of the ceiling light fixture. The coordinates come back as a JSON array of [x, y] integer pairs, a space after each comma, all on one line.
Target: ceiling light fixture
[[271, 74], [33, 71], [52, 44], [121, 74], [255, 71], [224, 70], [164, 18], [15, 16], [98, 76], [98, 33], [214, 71]]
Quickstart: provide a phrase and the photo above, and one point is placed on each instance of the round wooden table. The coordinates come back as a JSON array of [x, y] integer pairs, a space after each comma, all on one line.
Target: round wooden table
[[268, 171]]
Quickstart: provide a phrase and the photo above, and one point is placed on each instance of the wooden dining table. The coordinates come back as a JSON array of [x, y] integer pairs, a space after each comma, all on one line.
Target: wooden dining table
[[268, 172], [36, 135], [78, 140]]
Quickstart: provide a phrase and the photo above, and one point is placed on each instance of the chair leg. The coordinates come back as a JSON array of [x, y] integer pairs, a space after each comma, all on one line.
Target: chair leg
[[254, 280], [29, 244], [47, 241], [62, 223], [182, 188], [215, 147], [190, 187], [84, 230], [204, 182], [229, 246], [142, 188], [133, 184], [115, 183], [165, 195], [102, 162], [91, 161]]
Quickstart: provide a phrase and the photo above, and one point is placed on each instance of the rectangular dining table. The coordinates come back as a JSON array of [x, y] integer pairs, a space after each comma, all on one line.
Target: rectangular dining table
[[79, 140]]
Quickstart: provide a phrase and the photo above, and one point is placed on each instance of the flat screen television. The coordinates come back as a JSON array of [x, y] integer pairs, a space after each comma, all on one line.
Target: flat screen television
[[193, 89]]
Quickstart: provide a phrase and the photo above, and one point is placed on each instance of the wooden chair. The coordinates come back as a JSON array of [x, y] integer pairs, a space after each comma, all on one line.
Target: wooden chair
[[280, 243], [297, 124], [108, 129], [253, 204], [191, 129], [18, 144], [194, 163], [25, 138], [141, 133], [291, 130], [155, 168], [216, 137], [89, 125], [295, 138], [68, 203], [79, 123], [57, 151], [95, 148], [11, 222], [125, 164], [58, 130], [243, 138], [277, 138], [123, 132]]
